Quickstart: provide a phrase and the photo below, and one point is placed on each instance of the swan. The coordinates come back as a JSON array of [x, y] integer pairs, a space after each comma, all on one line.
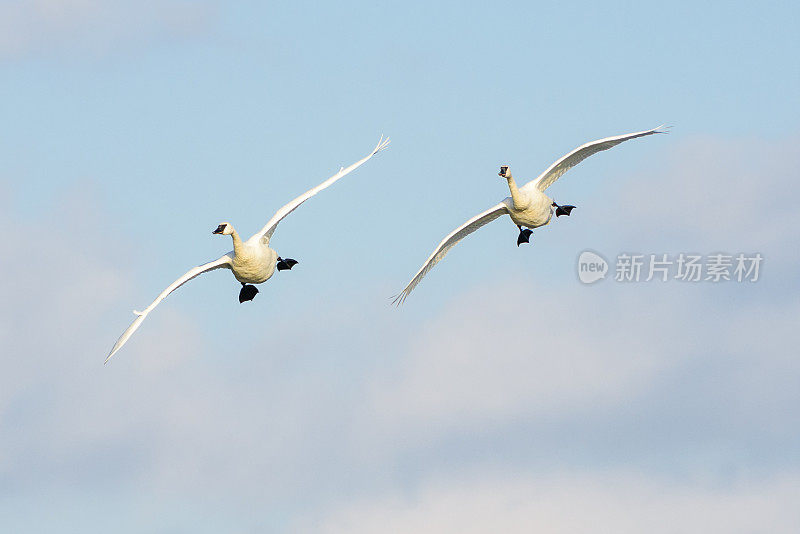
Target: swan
[[251, 261], [527, 206]]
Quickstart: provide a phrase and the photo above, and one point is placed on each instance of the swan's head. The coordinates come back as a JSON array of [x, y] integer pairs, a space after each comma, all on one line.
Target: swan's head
[[504, 172], [224, 229]]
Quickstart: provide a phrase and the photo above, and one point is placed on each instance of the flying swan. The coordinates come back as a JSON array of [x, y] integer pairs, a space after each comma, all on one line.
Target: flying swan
[[252, 261], [527, 206]]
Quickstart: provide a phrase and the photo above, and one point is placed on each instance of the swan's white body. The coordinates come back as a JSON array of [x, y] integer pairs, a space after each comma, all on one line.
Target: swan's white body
[[527, 206], [532, 207], [251, 261]]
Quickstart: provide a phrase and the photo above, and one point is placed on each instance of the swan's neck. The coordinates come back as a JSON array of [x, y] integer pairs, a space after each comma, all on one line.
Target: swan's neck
[[238, 245], [516, 196]]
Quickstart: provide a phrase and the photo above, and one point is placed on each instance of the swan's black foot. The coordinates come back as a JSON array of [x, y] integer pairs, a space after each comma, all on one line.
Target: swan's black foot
[[248, 292], [524, 235], [287, 264], [563, 210]]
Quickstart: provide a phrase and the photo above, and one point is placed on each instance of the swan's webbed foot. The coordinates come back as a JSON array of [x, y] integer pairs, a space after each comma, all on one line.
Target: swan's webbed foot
[[524, 235], [248, 292], [287, 264], [563, 210]]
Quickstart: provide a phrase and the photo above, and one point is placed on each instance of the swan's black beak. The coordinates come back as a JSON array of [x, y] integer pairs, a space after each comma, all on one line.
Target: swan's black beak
[[220, 229], [503, 171]]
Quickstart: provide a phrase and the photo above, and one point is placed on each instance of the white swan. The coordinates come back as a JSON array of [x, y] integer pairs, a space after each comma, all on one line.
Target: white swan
[[252, 261], [527, 206]]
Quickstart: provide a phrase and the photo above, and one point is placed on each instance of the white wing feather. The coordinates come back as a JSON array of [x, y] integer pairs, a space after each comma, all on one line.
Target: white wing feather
[[224, 261], [557, 169], [266, 232], [449, 242]]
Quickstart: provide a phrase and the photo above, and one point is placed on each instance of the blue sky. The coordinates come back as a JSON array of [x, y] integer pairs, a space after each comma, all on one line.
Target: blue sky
[[504, 395]]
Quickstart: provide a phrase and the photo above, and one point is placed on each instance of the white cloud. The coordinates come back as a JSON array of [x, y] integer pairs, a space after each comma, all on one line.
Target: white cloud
[[503, 352], [572, 504]]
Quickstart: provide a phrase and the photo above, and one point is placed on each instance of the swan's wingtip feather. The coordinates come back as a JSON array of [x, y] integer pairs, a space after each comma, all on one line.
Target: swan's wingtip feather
[[382, 144], [399, 299]]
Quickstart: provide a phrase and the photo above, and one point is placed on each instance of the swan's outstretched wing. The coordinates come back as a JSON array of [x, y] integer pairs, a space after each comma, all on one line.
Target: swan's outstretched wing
[[224, 261], [564, 164], [449, 242], [266, 232]]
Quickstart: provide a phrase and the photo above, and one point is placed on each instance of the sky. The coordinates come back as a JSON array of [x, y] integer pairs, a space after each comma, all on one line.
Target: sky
[[505, 395]]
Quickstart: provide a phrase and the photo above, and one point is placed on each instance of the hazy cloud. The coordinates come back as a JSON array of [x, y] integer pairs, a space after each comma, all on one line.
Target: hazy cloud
[[95, 27], [572, 504], [708, 192], [507, 351]]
